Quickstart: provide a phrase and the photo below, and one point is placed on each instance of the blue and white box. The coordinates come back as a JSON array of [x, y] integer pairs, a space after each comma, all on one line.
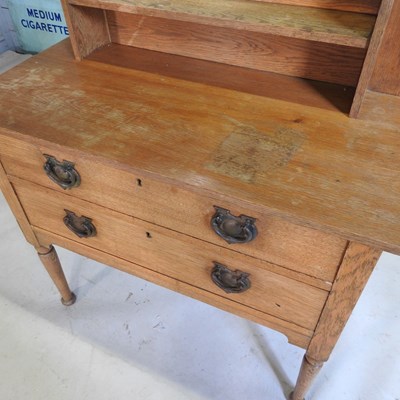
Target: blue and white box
[[38, 23]]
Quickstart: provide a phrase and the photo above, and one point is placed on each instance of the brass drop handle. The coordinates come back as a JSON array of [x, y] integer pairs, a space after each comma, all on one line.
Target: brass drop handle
[[241, 229], [61, 172], [230, 281], [81, 226]]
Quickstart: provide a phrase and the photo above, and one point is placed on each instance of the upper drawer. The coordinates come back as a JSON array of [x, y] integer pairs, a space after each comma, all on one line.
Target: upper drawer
[[301, 249]]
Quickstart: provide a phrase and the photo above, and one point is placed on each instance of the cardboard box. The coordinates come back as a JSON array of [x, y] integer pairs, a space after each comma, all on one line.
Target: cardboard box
[[38, 23]]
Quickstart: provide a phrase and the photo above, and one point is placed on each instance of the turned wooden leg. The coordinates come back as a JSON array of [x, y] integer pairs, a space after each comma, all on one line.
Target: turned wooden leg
[[358, 262], [308, 371], [52, 264]]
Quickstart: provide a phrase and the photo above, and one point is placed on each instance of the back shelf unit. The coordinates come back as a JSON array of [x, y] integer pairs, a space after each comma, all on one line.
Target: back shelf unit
[[314, 51]]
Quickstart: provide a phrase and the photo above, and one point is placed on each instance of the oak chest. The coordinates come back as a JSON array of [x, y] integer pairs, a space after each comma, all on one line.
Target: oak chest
[[271, 209]]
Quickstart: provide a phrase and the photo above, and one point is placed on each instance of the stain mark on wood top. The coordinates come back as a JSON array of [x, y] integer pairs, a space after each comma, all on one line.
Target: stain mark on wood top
[[247, 152]]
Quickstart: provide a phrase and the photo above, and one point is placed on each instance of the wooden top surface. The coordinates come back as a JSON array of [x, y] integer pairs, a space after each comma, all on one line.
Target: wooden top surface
[[322, 25], [315, 167]]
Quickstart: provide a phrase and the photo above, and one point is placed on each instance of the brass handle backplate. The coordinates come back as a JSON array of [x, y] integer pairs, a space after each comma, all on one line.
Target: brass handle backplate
[[228, 280], [81, 226], [241, 229], [61, 172]]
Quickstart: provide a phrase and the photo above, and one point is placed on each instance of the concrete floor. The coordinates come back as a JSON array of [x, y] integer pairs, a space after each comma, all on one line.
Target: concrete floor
[[128, 339], [9, 59]]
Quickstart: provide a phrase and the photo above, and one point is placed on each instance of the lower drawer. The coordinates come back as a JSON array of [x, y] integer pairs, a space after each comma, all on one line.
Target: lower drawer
[[173, 254]]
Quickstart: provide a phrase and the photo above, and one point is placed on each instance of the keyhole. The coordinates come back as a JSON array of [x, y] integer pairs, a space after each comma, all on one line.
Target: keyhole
[[148, 235], [139, 182]]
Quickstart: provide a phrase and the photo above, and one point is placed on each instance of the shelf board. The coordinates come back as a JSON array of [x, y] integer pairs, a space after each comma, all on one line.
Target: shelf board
[[296, 90], [329, 26], [360, 6]]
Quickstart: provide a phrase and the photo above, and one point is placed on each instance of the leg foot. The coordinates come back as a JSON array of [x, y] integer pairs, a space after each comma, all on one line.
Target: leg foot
[[69, 302], [308, 371], [52, 264], [291, 396]]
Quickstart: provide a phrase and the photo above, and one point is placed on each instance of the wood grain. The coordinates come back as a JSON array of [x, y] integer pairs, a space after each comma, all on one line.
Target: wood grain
[[315, 24], [87, 28], [373, 55], [358, 264], [17, 210], [362, 6], [175, 255], [310, 252], [52, 264], [308, 371], [295, 334], [382, 108], [386, 74], [282, 87], [265, 52], [313, 167]]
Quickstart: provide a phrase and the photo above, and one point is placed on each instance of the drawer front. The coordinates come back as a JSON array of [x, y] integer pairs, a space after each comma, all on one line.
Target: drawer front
[[301, 249], [176, 255]]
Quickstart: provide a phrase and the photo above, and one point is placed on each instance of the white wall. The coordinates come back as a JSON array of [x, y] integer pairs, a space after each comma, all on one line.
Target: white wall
[[8, 38], [3, 44]]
